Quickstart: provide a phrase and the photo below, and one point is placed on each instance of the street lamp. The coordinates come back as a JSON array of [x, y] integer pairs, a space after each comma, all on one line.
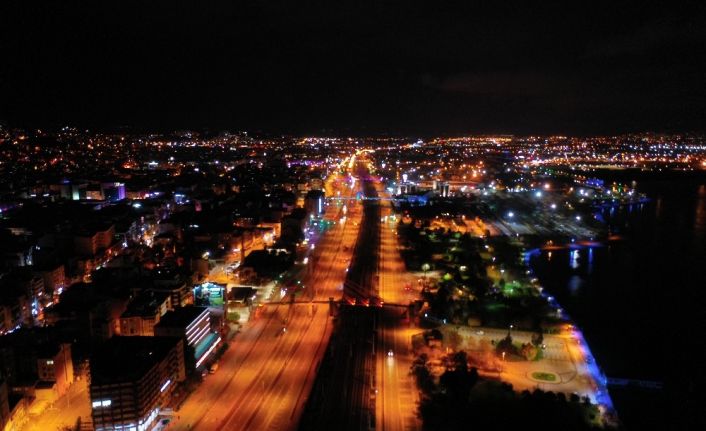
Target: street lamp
[[425, 268]]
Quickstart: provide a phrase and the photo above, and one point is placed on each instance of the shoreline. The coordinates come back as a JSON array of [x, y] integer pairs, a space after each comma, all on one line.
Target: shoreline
[[601, 394]]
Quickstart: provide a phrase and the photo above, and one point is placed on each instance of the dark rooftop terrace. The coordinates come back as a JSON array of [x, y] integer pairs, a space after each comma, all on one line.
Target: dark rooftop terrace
[[124, 359]]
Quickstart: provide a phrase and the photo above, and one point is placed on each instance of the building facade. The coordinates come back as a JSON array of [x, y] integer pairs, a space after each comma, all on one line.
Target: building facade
[[132, 378]]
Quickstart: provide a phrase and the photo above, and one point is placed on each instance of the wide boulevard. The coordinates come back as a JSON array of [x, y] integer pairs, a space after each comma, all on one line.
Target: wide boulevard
[[364, 382], [265, 376]]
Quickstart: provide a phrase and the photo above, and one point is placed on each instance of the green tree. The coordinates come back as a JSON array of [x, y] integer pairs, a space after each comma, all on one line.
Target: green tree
[[458, 380], [528, 351], [505, 346], [422, 375]]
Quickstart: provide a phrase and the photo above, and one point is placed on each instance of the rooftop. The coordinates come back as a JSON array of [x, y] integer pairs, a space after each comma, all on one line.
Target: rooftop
[[145, 304], [181, 317], [124, 359], [241, 294]]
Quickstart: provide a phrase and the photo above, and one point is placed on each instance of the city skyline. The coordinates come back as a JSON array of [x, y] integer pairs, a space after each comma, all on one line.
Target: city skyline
[[355, 215], [230, 281]]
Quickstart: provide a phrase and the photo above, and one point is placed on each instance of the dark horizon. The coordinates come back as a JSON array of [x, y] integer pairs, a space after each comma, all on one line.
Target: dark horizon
[[209, 132], [371, 68]]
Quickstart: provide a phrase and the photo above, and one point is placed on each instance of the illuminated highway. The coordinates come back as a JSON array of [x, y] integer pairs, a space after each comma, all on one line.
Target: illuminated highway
[[396, 400], [265, 376], [343, 396], [373, 390]]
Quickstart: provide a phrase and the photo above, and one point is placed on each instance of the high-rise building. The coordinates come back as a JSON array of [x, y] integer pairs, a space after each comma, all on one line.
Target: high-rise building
[[194, 325], [113, 191], [314, 202], [132, 378]]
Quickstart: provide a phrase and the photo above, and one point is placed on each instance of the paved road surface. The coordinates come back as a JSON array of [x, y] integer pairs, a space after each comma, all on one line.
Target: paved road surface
[[396, 400], [265, 376], [65, 411]]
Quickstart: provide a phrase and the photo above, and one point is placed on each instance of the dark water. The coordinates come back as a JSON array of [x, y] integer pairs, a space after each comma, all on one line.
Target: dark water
[[641, 301]]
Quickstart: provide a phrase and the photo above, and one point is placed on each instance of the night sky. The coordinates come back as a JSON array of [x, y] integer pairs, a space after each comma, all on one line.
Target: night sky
[[334, 66]]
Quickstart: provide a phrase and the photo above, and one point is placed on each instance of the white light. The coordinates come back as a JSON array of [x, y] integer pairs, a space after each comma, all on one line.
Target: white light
[[553, 206], [511, 214], [165, 385], [199, 335], [578, 218], [207, 352], [538, 194], [101, 403]]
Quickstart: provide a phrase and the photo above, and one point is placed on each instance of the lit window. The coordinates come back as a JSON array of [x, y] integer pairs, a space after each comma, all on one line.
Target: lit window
[[101, 403]]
